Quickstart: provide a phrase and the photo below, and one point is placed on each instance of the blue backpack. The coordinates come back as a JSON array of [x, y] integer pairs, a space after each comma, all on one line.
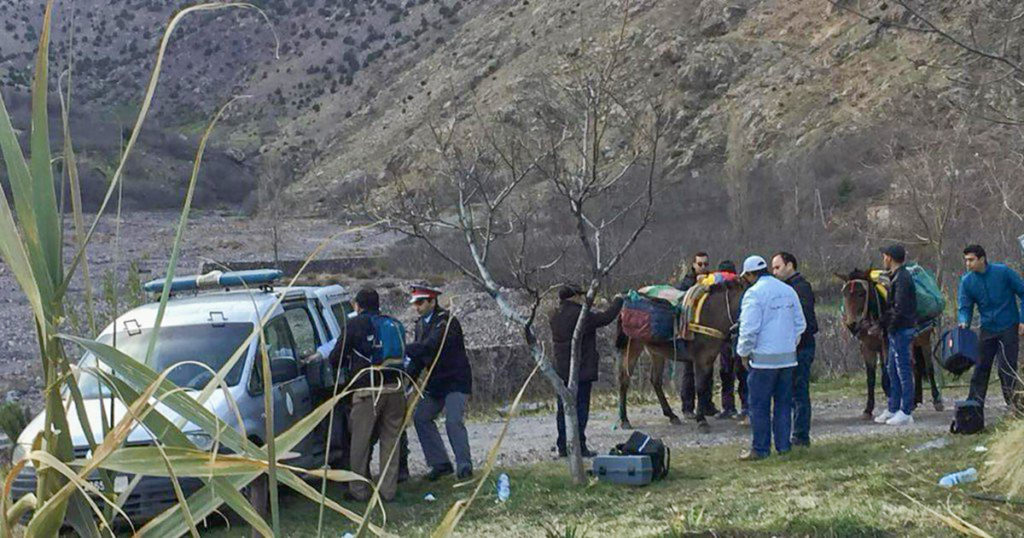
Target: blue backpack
[[389, 341]]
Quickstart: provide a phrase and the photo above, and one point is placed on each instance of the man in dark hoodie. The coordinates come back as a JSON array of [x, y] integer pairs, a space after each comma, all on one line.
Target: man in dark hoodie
[[563, 325], [784, 267], [900, 323]]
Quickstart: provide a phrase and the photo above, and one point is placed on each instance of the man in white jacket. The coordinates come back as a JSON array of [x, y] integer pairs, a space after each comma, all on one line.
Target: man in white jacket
[[771, 322]]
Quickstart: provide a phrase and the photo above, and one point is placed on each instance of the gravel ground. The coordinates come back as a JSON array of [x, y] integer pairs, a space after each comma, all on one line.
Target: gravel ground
[[532, 438]]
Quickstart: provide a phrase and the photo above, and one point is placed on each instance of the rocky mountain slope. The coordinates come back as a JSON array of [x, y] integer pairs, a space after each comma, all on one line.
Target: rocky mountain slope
[[782, 108]]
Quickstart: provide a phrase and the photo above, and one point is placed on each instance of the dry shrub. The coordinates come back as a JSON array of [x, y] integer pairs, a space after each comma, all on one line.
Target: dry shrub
[[1006, 460]]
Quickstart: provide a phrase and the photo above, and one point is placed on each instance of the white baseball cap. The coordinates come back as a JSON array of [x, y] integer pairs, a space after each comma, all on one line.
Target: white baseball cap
[[754, 263]]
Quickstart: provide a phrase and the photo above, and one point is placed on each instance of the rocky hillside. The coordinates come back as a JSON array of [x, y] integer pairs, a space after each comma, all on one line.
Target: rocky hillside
[[783, 108]]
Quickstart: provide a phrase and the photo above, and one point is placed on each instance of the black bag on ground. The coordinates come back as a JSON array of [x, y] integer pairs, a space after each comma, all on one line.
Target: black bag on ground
[[968, 418], [641, 444]]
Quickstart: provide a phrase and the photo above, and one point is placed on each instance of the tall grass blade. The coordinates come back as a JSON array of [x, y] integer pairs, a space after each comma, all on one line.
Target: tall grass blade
[[75, 189], [81, 519], [44, 197], [11, 246]]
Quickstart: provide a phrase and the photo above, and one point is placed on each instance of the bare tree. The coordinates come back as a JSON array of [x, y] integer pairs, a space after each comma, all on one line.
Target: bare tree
[[591, 139], [605, 172], [935, 181], [268, 189]]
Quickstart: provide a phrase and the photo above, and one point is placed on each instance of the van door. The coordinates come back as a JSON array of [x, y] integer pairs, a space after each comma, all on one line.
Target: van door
[[290, 397]]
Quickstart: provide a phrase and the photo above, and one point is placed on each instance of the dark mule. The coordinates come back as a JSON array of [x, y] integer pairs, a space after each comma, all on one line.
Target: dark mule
[[720, 311], [863, 307]]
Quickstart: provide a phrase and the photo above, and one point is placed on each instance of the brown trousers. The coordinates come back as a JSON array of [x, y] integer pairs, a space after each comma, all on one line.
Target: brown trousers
[[386, 415]]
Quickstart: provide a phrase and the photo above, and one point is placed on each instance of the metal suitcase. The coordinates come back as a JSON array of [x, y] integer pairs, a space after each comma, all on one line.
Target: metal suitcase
[[625, 470]]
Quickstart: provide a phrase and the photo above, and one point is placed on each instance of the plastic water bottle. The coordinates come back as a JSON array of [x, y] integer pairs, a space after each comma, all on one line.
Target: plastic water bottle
[[962, 477], [504, 488]]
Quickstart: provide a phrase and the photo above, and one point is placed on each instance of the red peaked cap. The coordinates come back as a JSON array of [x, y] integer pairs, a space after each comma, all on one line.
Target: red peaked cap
[[424, 292]]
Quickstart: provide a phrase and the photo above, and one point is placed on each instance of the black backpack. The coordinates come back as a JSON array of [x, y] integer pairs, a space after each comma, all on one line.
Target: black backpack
[[641, 444], [968, 418]]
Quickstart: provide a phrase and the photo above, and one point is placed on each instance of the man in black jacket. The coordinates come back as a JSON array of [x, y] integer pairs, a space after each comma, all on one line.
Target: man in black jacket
[[701, 265], [784, 267], [563, 325], [378, 399], [731, 371], [900, 322], [439, 343]]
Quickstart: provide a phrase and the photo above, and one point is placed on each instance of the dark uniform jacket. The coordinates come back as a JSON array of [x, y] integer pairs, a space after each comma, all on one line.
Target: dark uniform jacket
[[563, 323], [452, 372], [806, 295], [353, 351], [688, 281], [902, 313]]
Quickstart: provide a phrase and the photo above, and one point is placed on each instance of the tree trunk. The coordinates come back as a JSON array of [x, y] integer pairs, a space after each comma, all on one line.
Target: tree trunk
[[567, 394], [572, 445]]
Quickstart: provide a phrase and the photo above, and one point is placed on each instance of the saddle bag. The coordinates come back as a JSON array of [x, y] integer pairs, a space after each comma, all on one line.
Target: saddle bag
[[648, 320], [968, 418], [959, 350], [641, 444]]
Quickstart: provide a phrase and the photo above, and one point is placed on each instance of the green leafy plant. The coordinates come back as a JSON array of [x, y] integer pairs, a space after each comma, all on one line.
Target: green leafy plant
[[13, 419]]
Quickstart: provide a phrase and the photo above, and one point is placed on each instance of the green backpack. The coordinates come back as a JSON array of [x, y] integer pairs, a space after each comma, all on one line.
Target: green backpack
[[930, 302]]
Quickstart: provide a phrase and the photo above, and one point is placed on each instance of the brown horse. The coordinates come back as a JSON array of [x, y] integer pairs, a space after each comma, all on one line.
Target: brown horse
[[863, 307], [720, 311]]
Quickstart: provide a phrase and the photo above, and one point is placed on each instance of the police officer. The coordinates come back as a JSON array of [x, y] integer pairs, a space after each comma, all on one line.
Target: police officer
[[439, 351]]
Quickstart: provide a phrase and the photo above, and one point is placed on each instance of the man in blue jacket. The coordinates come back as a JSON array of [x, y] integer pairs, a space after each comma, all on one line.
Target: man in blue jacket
[[994, 288], [771, 322]]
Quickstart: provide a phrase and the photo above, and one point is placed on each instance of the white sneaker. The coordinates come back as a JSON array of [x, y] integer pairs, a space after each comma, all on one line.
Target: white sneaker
[[900, 419], [883, 417]]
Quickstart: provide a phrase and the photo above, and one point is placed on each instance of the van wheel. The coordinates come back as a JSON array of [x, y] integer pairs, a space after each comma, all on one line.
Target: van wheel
[[258, 494]]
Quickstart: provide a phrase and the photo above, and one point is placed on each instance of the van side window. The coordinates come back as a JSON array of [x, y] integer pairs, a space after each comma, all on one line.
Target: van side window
[[277, 337], [303, 330]]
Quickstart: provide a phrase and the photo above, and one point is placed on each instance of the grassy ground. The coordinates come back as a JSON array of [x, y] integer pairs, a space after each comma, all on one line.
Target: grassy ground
[[837, 488]]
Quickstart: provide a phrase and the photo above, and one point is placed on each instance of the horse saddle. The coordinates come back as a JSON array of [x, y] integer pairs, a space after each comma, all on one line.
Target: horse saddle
[[689, 321]]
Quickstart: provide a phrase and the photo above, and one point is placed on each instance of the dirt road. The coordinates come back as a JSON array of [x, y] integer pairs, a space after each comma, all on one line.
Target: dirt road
[[531, 438]]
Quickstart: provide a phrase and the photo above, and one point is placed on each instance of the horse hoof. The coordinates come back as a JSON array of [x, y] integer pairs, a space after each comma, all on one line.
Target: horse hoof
[[703, 427], [866, 415], [938, 405], [625, 425], [674, 420]]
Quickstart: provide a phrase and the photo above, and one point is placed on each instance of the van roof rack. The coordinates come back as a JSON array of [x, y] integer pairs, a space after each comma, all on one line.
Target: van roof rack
[[261, 278]]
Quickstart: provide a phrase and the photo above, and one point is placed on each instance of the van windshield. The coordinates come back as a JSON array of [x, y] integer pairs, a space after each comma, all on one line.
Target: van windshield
[[207, 344]]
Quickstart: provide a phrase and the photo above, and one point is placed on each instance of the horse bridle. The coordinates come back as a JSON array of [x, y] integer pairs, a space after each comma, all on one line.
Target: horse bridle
[[869, 288]]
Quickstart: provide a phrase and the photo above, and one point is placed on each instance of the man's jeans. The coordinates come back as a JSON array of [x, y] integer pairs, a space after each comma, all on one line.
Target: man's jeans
[[901, 375], [802, 393], [771, 408], [582, 415], [1000, 348]]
